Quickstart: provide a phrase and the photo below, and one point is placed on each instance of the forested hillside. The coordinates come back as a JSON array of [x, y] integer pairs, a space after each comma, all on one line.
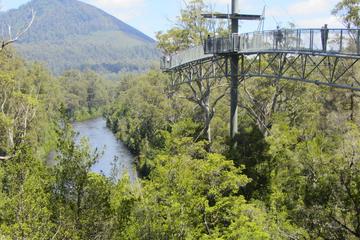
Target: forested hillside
[[294, 174], [69, 34]]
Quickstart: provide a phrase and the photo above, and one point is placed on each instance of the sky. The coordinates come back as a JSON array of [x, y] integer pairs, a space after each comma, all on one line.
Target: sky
[[151, 16]]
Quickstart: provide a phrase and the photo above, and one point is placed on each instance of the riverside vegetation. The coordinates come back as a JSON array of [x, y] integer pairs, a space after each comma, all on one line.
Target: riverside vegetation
[[294, 175]]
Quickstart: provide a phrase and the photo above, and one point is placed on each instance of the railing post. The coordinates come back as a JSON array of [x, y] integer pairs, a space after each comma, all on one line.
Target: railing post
[[311, 40], [341, 40], [298, 39], [358, 42], [232, 43], [274, 40]]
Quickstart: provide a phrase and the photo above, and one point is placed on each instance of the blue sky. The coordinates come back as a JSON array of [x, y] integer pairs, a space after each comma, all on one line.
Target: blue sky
[[150, 16]]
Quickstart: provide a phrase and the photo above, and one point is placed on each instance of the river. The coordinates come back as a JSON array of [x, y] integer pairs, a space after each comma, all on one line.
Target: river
[[101, 138]]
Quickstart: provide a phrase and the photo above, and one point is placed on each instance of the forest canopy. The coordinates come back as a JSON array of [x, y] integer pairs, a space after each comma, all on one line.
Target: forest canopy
[[295, 173]]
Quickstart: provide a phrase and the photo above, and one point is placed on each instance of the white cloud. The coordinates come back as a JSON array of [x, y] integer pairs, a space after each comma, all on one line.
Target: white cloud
[[332, 21], [309, 7], [314, 13], [304, 13]]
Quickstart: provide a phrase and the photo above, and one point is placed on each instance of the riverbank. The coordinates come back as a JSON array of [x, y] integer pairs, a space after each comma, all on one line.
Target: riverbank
[[84, 115], [116, 159]]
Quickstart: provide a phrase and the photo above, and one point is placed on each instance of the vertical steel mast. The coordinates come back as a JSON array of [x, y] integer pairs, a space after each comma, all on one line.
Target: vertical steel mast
[[234, 75], [235, 16]]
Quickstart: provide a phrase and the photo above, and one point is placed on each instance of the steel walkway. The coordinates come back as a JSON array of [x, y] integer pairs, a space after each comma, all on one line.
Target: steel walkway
[[293, 54], [329, 42]]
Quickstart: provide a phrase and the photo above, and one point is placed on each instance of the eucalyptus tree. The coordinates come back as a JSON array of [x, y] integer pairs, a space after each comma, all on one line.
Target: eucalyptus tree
[[348, 11], [191, 30]]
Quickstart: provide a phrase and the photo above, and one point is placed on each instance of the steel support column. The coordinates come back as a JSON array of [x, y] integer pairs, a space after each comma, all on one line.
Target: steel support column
[[234, 78], [234, 96]]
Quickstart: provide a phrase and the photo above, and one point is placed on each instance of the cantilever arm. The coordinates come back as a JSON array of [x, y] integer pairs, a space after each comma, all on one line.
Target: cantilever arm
[[232, 16]]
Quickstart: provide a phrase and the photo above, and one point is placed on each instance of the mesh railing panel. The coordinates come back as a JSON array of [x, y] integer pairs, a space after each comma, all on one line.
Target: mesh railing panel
[[330, 41], [183, 57]]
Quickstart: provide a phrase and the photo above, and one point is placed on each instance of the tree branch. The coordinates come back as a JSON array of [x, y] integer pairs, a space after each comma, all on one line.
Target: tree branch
[[4, 158], [345, 227], [19, 34], [219, 98]]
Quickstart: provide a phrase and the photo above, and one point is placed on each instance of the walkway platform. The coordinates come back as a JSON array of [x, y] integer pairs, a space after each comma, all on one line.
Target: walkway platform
[[343, 43]]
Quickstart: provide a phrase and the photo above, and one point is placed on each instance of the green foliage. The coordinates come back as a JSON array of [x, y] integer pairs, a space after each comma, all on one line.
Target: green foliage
[[25, 204], [294, 174], [190, 198], [95, 52], [96, 209], [85, 94], [124, 198], [323, 170], [141, 111], [348, 10], [38, 202], [24, 101], [189, 193], [191, 30], [80, 199]]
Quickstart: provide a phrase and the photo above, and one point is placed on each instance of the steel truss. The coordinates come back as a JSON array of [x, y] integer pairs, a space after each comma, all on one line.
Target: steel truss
[[320, 70]]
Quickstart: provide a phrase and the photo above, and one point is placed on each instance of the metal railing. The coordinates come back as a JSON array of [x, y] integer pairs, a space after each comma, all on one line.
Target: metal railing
[[332, 41], [316, 41], [183, 57]]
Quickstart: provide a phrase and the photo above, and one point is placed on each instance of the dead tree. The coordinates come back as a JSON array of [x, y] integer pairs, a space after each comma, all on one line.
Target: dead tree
[[261, 111], [202, 93], [15, 37], [25, 111]]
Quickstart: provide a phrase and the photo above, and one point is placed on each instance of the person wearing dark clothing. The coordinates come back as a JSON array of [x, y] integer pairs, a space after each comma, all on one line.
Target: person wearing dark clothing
[[324, 37], [278, 37], [209, 45], [168, 61]]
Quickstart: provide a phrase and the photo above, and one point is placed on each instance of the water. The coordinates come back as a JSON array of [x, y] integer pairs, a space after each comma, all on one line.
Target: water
[[101, 138]]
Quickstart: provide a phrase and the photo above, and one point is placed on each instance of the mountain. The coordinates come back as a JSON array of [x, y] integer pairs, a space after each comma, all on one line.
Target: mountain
[[69, 34]]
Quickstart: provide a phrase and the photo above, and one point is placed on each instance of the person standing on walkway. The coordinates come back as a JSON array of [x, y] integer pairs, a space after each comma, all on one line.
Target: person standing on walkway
[[246, 41], [209, 45], [278, 37], [324, 37]]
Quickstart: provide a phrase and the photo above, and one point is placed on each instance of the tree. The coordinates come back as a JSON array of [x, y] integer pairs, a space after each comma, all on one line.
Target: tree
[[12, 38], [261, 101], [348, 11], [74, 186], [201, 94], [191, 194], [25, 103], [141, 111], [96, 208], [25, 209], [124, 200], [85, 93], [191, 30], [315, 175]]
